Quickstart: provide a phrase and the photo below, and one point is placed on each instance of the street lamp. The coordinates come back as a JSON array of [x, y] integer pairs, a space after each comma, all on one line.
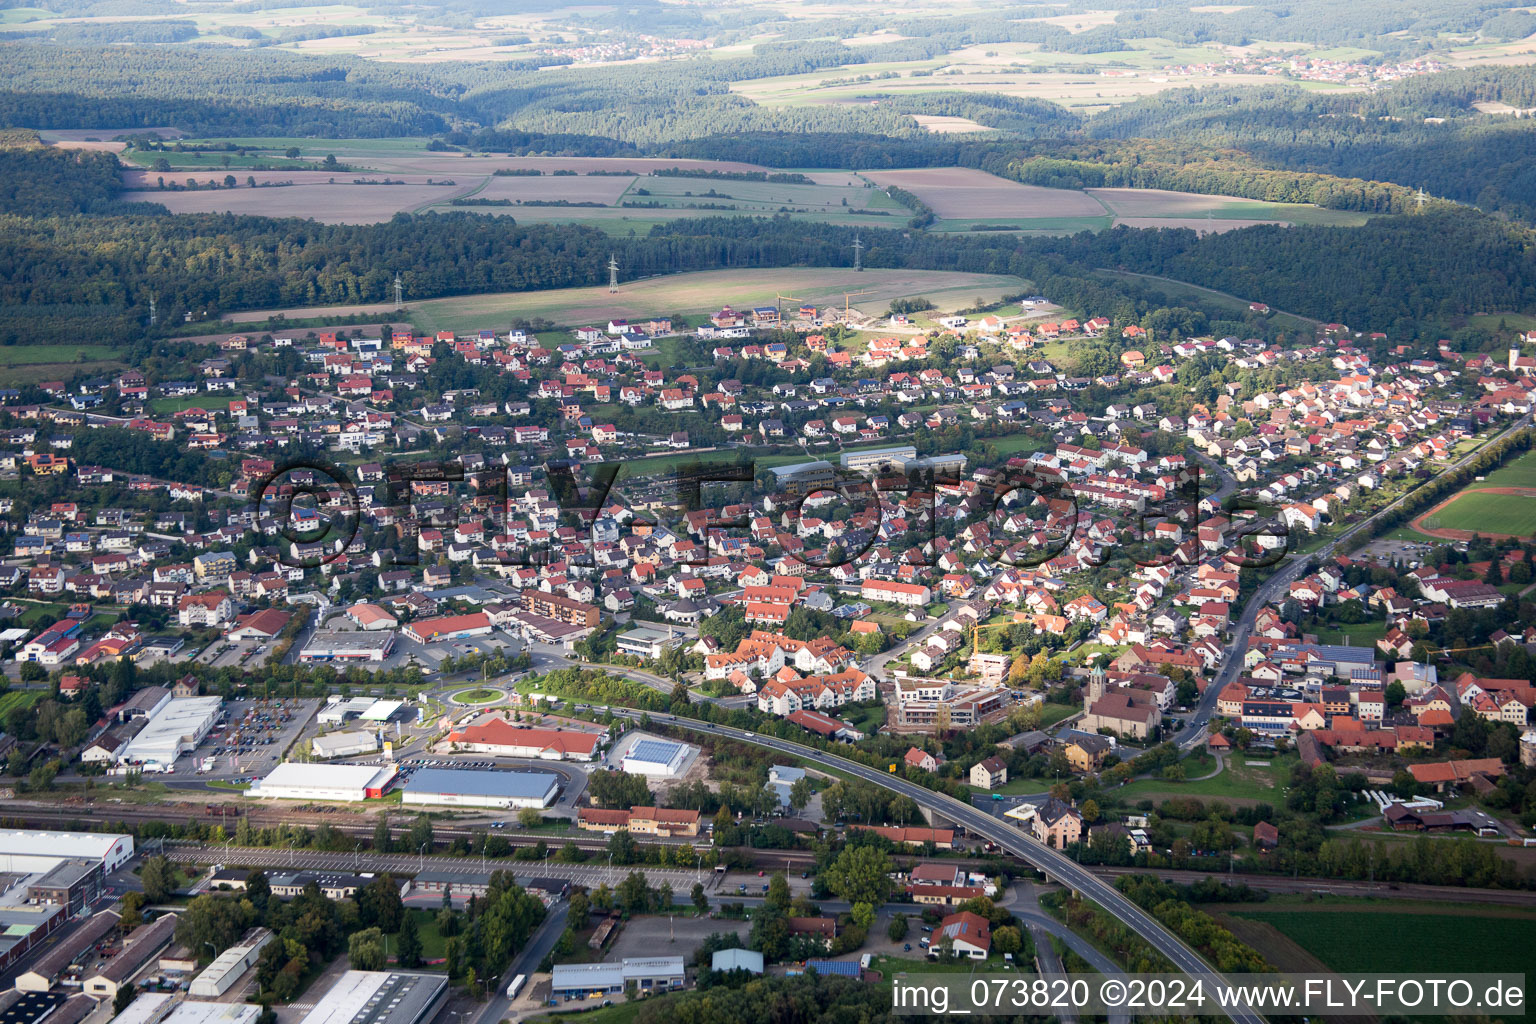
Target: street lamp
[[421, 857]]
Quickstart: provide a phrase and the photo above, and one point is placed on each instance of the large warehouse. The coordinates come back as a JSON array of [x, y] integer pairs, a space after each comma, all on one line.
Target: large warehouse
[[380, 997], [28, 851], [343, 782], [348, 645], [345, 744], [176, 729], [463, 788]]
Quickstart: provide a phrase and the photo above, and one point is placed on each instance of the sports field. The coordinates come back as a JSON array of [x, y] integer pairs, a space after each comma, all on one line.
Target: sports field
[[708, 291], [1489, 511]]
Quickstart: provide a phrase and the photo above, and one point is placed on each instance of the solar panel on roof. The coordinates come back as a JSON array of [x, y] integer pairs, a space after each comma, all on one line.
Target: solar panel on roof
[[654, 750]]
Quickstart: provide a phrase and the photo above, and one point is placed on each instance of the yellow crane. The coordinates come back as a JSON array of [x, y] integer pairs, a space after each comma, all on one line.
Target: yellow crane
[[781, 299], [849, 295]]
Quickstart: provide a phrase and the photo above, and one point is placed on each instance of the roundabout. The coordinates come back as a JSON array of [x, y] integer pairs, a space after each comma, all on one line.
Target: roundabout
[[477, 696]]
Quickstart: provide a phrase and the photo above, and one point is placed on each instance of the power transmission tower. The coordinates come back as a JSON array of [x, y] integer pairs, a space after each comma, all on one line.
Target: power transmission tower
[[152, 315], [858, 253], [398, 292], [613, 273], [1419, 199]]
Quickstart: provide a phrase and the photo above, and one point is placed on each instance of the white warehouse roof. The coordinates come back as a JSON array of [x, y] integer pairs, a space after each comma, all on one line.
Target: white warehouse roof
[[321, 781], [173, 731]]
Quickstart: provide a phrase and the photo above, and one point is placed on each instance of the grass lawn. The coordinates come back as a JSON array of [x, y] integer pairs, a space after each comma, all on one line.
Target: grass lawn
[[479, 695], [1519, 473], [1361, 634], [889, 965], [1240, 781], [1050, 713], [37, 614], [25, 355], [433, 943], [1488, 513], [866, 720], [1368, 938], [1018, 444], [1509, 322], [177, 404]]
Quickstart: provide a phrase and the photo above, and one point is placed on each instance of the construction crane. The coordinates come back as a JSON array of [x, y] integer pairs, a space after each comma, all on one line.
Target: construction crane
[[849, 295], [780, 300]]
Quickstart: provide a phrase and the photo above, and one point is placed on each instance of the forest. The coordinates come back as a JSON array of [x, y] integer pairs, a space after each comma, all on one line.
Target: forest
[[67, 277], [1419, 132]]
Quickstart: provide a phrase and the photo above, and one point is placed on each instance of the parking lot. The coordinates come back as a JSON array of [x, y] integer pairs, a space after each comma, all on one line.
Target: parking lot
[[408, 652], [254, 735]]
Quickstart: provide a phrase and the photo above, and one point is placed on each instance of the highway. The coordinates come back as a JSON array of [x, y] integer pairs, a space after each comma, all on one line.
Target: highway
[[1055, 865], [1279, 581]]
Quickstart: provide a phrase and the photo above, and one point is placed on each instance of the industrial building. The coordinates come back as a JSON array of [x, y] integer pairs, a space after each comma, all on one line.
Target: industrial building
[[341, 782], [351, 645], [28, 851], [647, 974], [51, 965], [345, 744], [736, 960], [176, 729], [381, 997], [656, 757], [463, 788], [157, 1008], [139, 948], [218, 977]]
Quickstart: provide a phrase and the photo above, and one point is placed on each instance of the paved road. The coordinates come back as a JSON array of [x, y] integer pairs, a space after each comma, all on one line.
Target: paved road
[[1194, 732], [539, 945], [1055, 865]]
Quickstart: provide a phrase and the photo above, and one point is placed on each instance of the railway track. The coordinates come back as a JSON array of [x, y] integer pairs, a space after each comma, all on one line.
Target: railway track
[[85, 816]]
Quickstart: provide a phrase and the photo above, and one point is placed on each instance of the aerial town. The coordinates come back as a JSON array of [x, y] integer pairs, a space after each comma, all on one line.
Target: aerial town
[[623, 554]]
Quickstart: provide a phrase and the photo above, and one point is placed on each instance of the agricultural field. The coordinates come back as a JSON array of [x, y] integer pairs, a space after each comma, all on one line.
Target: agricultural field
[[1160, 208], [1077, 81], [961, 193], [707, 292], [1357, 937], [19, 699], [32, 364]]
